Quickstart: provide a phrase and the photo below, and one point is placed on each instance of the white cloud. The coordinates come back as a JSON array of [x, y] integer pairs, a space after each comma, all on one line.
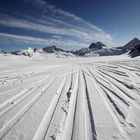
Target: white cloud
[[39, 41], [55, 21]]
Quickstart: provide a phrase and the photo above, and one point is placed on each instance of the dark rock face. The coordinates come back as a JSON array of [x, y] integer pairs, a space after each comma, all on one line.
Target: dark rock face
[[2, 52], [82, 51], [52, 49], [131, 44], [96, 46], [15, 52], [135, 51], [108, 52]]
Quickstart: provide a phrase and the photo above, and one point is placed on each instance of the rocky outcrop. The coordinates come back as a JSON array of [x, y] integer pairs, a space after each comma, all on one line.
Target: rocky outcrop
[[135, 51], [52, 49], [96, 46], [131, 44]]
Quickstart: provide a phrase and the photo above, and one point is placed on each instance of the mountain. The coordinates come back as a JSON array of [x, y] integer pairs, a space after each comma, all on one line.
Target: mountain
[[30, 51], [105, 52], [99, 49], [52, 49], [131, 44], [27, 52], [94, 49], [135, 51], [96, 46], [2, 52], [82, 51]]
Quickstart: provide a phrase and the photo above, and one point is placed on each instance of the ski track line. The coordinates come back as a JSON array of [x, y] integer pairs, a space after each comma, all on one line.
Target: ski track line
[[114, 91], [32, 69], [79, 128], [122, 132], [67, 135], [130, 68], [60, 115], [119, 78], [82, 114], [88, 110], [111, 75], [13, 80], [5, 129], [116, 109], [120, 88], [119, 73], [11, 100], [133, 75], [115, 86], [123, 89], [18, 75], [6, 106], [24, 75], [45, 123], [119, 83], [103, 83], [21, 80], [112, 97]]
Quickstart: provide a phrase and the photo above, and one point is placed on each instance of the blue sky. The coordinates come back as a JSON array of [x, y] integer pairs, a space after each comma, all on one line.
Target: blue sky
[[69, 24]]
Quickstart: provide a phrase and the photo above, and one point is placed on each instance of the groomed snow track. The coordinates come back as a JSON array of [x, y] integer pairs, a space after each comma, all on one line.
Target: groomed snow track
[[87, 101]]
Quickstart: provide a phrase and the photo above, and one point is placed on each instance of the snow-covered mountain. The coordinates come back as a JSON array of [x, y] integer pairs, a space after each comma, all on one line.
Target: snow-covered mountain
[[27, 52], [99, 49], [51, 51], [94, 49]]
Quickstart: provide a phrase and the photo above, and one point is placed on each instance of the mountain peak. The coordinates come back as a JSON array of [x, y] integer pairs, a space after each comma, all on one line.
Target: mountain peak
[[96, 46], [52, 49], [131, 44], [135, 39]]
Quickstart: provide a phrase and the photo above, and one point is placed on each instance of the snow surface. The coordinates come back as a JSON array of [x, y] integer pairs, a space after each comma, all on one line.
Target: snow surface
[[49, 97]]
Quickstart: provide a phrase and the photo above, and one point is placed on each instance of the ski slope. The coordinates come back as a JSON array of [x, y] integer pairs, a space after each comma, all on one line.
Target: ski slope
[[69, 98]]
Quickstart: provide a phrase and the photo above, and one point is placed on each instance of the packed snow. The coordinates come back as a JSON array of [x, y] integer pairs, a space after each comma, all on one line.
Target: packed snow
[[60, 97]]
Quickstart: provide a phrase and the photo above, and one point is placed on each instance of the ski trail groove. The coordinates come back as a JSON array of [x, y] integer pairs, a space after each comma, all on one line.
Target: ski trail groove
[[4, 130], [100, 91], [42, 129], [21, 94], [90, 110], [67, 135]]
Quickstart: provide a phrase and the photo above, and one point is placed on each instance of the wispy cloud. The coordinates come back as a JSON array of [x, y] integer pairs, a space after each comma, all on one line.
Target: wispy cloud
[[46, 18], [56, 40]]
